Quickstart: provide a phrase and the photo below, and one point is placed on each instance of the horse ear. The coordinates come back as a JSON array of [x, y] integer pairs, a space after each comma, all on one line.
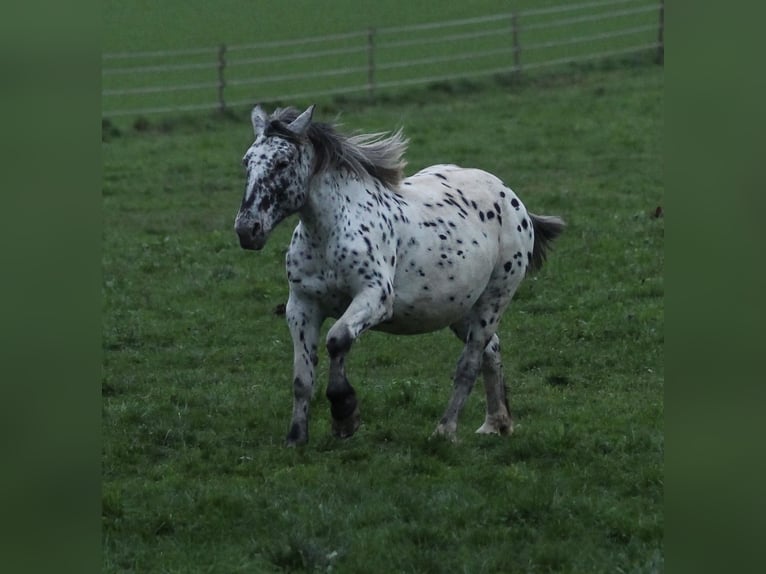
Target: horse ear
[[300, 125], [259, 119]]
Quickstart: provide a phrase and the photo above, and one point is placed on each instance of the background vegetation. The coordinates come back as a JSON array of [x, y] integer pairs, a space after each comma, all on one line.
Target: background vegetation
[[197, 56]]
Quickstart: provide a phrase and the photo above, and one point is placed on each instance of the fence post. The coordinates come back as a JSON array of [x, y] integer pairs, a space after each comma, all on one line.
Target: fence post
[[371, 62], [661, 35], [221, 79], [516, 43]]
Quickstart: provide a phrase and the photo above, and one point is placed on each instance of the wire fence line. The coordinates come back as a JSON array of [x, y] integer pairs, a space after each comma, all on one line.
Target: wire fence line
[[377, 59]]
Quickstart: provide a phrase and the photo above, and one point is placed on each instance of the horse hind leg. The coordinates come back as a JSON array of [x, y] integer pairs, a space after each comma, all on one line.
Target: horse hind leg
[[468, 367], [498, 419], [465, 376], [481, 354]]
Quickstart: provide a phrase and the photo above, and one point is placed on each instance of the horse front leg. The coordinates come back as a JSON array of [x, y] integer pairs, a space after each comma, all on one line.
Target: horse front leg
[[304, 320], [366, 310], [344, 407]]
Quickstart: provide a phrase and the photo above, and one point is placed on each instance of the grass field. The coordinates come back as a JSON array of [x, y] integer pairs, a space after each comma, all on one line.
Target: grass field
[[197, 364], [161, 56], [176, 24]]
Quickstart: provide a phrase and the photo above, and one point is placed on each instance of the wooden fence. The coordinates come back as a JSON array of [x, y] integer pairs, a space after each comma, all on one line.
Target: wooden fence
[[377, 59]]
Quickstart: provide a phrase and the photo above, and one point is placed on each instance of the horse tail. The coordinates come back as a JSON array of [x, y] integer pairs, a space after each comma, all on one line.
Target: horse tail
[[547, 228]]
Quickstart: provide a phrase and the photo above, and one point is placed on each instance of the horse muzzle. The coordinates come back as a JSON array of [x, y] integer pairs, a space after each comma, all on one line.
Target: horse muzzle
[[251, 235]]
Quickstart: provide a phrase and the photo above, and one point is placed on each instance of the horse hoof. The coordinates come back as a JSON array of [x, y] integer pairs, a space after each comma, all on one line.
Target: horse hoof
[[294, 443], [445, 432], [499, 427], [345, 428], [297, 436]]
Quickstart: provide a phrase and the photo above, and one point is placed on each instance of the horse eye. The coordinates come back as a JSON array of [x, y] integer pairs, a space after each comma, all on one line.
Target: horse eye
[[281, 164]]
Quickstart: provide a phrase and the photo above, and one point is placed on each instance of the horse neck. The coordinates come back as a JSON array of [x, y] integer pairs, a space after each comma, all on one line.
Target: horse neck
[[329, 197]]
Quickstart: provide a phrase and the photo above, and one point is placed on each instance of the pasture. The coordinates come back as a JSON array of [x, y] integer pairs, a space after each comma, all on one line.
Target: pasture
[[197, 359], [200, 56]]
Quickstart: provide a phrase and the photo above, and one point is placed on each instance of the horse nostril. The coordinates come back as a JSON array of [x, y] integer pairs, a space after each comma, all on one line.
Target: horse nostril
[[256, 228]]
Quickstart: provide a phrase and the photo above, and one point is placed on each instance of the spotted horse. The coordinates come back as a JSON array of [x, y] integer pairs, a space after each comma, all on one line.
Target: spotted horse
[[445, 247]]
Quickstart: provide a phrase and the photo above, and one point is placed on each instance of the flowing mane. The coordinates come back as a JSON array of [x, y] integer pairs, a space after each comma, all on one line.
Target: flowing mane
[[379, 155]]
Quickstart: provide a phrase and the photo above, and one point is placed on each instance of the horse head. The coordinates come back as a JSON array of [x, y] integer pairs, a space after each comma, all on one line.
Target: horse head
[[278, 165]]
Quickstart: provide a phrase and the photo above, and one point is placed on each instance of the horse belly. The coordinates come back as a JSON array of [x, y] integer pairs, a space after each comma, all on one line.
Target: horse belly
[[429, 300], [423, 317]]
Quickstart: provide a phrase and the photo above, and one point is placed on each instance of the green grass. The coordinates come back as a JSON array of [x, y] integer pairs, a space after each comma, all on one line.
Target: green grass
[[338, 64], [197, 364], [176, 24]]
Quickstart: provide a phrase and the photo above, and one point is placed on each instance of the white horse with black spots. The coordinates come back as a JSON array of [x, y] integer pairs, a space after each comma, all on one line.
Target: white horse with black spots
[[445, 247]]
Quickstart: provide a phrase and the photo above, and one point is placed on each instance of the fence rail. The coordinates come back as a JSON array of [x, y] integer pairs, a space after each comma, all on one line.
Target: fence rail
[[229, 76]]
